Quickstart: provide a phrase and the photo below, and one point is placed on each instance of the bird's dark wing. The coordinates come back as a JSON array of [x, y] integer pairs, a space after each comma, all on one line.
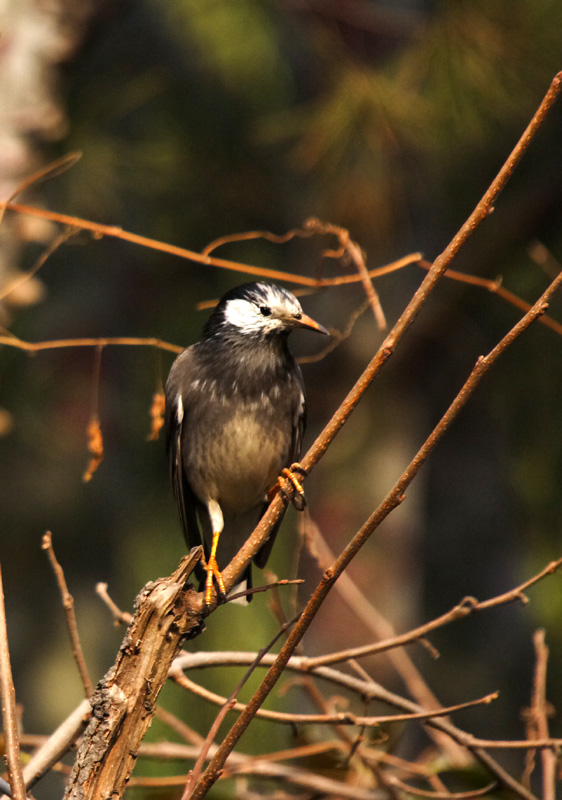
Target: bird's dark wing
[[176, 418]]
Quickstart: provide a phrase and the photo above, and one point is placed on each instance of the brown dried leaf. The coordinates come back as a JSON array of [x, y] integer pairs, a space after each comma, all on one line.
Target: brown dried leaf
[[157, 415], [95, 447]]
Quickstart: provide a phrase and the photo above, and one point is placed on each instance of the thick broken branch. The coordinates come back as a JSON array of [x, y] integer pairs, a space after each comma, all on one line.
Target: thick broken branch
[[124, 702]]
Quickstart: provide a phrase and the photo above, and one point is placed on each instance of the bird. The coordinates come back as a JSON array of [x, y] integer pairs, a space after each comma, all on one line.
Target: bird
[[235, 415]]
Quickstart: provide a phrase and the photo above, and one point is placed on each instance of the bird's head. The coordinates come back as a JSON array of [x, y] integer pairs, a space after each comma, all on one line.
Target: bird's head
[[259, 310]]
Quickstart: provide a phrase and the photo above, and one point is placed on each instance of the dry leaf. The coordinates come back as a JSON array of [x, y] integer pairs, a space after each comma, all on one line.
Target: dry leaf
[[95, 447], [157, 414]]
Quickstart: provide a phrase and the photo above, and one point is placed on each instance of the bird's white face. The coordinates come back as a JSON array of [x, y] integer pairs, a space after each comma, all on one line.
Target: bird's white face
[[267, 311]]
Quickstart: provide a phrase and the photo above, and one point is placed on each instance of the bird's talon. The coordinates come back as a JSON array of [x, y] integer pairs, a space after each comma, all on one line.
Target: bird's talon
[[298, 467], [213, 572], [288, 476]]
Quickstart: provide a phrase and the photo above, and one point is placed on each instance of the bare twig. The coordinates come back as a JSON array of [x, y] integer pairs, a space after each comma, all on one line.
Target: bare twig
[[119, 617], [337, 718], [441, 264], [397, 494], [266, 588], [365, 687], [99, 230], [537, 719], [57, 744], [380, 627], [68, 603], [227, 704], [318, 785], [495, 287], [242, 764], [467, 605], [14, 284], [42, 174], [103, 341], [356, 254], [406, 787], [178, 726], [9, 714]]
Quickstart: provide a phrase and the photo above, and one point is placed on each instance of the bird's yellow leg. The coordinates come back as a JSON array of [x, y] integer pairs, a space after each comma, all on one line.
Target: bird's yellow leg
[[213, 570], [217, 521]]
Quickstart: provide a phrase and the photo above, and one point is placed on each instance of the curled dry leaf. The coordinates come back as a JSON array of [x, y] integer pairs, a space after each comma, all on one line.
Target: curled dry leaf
[[157, 415], [95, 447]]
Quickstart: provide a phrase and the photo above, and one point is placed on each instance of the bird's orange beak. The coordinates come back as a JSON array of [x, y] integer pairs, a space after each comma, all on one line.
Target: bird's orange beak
[[304, 321]]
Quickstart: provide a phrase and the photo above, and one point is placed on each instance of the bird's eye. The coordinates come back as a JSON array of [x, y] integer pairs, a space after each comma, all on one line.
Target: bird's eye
[[265, 311]]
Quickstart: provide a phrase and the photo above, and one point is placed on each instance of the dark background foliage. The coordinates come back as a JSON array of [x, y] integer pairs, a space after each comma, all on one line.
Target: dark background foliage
[[200, 119]]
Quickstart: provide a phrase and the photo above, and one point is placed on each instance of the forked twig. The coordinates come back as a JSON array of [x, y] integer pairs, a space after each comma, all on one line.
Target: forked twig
[[336, 718], [68, 603], [537, 719], [468, 605]]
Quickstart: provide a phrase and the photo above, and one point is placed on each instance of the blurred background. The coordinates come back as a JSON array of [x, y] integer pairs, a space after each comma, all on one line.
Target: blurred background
[[200, 119]]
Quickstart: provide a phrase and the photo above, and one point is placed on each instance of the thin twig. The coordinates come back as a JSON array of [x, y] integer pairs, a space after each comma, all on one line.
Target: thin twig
[[178, 726], [441, 264], [9, 714], [265, 588], [227, 705], [14, 284], [380, 627], [365, 687], [467, 605], [119, 617], [356, 254], [336, 718], [538, 717], [495, 287], [103, 341], [57, 744], [406, 787], [68, 603], [100, 230], [242, 764], [43, 173]]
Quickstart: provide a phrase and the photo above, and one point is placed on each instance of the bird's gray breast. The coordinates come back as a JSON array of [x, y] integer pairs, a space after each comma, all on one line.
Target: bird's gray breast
[[236, 445]]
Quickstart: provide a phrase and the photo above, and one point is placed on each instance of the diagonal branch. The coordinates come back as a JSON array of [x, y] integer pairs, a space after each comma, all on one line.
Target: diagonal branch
[[436, 272], [395, 497]]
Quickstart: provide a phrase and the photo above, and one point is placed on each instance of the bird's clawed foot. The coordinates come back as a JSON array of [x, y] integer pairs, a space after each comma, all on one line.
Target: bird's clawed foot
[[213, 571], [288, 477]]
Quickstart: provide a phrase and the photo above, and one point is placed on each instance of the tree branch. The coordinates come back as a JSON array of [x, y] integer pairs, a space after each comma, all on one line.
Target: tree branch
[[397, 493], [124, 702]]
